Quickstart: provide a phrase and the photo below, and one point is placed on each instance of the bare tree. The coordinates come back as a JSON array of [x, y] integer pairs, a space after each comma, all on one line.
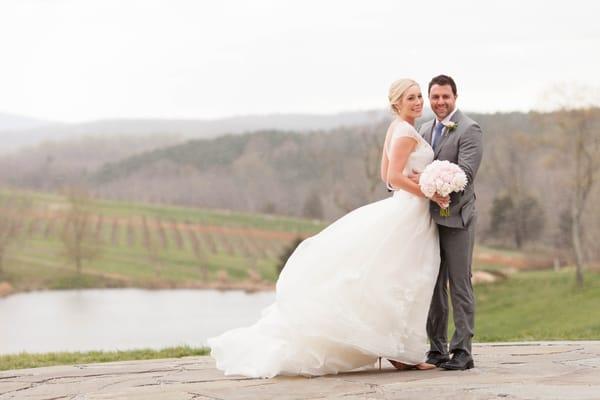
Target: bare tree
[[584, 146], [515, 208], [7, 237], [78, 235], [313, 206], [11, 219], [577, 125], [373, 141], [349, 194]]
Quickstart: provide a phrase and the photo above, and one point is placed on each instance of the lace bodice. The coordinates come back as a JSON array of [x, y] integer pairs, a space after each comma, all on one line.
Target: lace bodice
[[421, 156]]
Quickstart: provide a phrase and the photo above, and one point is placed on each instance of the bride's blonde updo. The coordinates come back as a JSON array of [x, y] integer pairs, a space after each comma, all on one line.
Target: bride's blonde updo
[[397, 91]]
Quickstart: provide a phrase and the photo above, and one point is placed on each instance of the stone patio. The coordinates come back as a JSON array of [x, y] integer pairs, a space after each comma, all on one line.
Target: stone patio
[[532, 370]]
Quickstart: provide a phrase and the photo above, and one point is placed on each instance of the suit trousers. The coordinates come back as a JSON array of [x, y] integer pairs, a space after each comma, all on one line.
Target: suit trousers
[[456, 248]]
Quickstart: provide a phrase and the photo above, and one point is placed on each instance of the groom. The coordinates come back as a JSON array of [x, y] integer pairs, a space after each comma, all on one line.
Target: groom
[[458, 139]]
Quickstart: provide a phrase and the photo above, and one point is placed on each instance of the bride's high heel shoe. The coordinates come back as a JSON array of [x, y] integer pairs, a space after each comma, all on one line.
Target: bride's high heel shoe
[[379, 363], [425, 366], [405, 367]]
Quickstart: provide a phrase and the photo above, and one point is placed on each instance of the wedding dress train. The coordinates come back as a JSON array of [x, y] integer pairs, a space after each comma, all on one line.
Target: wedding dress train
[[358, 290]]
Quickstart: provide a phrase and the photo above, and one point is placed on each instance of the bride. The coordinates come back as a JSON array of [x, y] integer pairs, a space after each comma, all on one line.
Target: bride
[[360, 289]]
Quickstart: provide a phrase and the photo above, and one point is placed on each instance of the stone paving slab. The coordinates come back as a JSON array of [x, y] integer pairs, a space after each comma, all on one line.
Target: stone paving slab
[[530, 370]]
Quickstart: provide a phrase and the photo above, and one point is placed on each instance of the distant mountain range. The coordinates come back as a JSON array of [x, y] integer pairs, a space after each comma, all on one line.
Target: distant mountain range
[[16, 122], [17, 132]]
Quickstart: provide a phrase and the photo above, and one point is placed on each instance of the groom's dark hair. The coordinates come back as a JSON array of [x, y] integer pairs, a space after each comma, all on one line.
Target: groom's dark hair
[[443, 80]]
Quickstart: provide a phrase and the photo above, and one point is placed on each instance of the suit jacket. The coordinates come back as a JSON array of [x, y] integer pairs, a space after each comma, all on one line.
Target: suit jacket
[[462, 146]]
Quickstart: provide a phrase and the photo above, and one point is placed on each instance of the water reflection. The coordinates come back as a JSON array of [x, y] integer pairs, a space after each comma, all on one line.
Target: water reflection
[[119, 319]]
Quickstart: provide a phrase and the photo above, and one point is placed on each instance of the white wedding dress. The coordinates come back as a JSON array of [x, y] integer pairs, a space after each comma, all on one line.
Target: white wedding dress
[[358, 290]]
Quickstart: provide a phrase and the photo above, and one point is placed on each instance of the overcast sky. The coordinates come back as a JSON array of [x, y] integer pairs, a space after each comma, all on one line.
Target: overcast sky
[[77, 60]]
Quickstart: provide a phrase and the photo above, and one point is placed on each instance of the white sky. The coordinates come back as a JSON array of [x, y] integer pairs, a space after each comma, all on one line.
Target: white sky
[[76, 60]]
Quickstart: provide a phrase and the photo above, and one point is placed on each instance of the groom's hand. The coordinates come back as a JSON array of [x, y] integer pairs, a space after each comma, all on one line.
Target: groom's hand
[[414, 176]]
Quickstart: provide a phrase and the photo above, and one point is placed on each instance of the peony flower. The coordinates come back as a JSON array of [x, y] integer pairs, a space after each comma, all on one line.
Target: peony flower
[[442, 177]]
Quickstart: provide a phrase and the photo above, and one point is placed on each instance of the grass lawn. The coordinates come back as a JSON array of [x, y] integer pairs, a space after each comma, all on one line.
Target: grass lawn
[[25, 360], [542, 305]]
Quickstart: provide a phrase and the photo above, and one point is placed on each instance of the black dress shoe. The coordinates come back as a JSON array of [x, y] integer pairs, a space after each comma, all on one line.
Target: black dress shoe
[[461, 360], [436, 358]]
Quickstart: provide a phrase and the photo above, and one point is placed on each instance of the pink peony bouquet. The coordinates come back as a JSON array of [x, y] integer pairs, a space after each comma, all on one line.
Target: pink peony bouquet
[[443, 178]]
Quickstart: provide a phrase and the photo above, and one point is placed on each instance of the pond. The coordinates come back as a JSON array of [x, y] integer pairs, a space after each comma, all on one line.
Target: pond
[[122, 319]]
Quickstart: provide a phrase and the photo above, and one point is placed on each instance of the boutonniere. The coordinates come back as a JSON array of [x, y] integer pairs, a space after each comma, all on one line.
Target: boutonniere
[[450, 126]]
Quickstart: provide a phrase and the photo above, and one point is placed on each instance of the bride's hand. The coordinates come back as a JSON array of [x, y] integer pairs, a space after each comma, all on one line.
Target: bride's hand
[[414, 176], [442, 201]]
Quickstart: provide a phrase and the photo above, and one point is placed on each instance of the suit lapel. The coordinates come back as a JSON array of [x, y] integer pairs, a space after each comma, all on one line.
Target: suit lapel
[[455, 118]]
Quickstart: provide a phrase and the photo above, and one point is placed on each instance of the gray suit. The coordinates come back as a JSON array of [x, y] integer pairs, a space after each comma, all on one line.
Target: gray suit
[[462, 146]]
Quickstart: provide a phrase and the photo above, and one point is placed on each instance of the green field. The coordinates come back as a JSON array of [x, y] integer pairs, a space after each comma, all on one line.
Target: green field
[[24, 360], [539, 305], [144, 245], [43, 201]]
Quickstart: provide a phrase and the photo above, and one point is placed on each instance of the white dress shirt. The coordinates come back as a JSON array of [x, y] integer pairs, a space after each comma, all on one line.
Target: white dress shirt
[[447, 119]]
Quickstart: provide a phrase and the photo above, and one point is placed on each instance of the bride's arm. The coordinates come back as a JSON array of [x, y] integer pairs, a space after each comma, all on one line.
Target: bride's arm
[[384, 159], [400, 149]]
